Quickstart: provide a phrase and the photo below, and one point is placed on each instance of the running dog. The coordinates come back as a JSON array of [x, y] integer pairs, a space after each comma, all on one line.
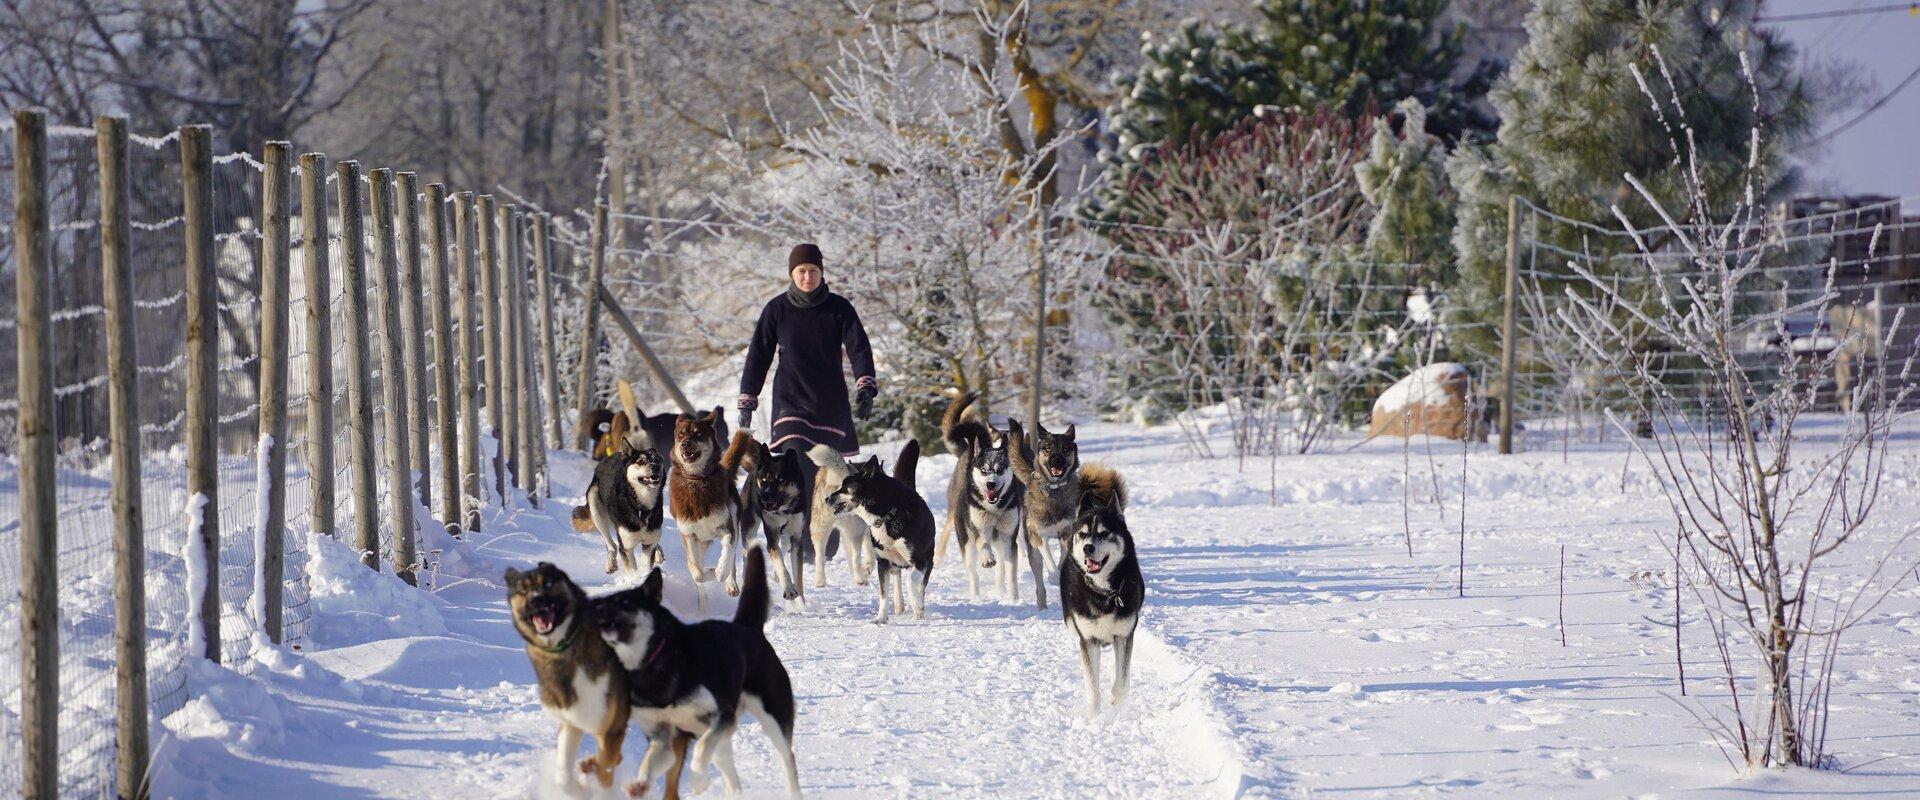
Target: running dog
[[984, 505], [1101, 593], [696, 678], [828, 529], [898, 521], [625, 497], [775, 497], [700, 493], [581, 681], [1050, 467]]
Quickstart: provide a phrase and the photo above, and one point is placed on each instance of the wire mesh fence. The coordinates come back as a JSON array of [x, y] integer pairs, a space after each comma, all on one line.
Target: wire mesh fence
[[317, 412]]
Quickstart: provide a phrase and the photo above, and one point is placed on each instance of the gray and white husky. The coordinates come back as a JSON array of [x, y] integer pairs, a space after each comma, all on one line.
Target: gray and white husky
[[1049, 465], [985, 501]]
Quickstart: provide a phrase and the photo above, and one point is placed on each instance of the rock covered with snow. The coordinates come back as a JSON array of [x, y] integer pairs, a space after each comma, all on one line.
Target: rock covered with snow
[[1435, 400]]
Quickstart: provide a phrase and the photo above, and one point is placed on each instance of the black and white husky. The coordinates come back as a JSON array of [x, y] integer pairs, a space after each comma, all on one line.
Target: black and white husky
[[1101, 593], [777, 496], [624, 502], [984, 499], [898, 522], [696, 678]]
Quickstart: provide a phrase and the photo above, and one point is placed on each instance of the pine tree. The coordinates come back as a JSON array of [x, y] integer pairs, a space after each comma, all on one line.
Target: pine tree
[[1307, 54], [1574, 121], [1404, 178]]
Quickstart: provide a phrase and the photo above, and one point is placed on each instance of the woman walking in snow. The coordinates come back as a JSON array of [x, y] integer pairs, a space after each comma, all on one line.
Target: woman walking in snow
[[809, 326]]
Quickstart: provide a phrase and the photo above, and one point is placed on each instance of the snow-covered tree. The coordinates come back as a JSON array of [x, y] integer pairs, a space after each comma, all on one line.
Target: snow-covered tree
[[1404, 178], [1574, 122]]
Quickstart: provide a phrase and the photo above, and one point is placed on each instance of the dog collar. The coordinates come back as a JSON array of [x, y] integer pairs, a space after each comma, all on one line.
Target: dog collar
[[565, 641], [657, 647]]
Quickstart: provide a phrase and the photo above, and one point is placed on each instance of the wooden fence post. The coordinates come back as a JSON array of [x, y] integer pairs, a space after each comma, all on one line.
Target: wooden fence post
[[1036, 375], [472, 497], [590, 332], [445, 428], [413, 329], [528, 398], [548, 369], [203, 376], [313, 244], [353, 271], [1507, 326], [490, 330], [509, 362], [39, 512], [275, 274], [123, 399], [393, 381], [659, 370]]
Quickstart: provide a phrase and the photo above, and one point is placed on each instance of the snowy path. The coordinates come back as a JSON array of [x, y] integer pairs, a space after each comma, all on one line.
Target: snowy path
[[977, 700]]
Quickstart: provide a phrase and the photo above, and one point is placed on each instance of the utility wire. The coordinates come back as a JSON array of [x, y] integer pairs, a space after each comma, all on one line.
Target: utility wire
[[1912, 9], [1877, 105]]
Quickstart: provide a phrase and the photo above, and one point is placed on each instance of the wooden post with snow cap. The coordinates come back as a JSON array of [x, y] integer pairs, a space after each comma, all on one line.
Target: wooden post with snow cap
[[123, 399], [319, 321], [276, 249], [1508, 382], [203, 377], [446, 429], [393, 380], [39, 501], [353, 273], [413, 330]]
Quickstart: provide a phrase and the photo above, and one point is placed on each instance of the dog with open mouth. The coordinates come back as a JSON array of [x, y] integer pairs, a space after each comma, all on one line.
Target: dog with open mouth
[[985, 500], [696, 678], [627, 494], [898, 522], [581, 681], [1101, 593], [701, 495], [1049, 466]]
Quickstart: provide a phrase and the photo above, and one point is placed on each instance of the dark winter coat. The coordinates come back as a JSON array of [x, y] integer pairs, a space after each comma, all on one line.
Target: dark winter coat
[[810, 388]]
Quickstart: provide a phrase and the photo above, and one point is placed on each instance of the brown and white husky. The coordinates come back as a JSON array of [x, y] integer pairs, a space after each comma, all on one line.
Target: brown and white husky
[[701, 496]]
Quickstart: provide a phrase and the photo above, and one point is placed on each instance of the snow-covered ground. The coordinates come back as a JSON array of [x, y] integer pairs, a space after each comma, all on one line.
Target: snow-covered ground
[[1291, 647]]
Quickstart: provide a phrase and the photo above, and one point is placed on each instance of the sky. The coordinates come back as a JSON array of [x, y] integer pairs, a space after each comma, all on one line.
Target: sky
[[1881, 154]]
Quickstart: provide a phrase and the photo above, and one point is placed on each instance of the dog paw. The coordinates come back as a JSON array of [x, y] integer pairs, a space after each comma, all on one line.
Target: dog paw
[[696, 781], [733, 589], [637, 789]]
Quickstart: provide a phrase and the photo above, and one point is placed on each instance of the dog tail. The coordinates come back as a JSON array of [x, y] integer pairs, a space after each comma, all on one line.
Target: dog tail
[[736, 452], [755, 602], [1021, 453], [636, 436], [582, 519], [826, 457], [1104, 485], [909, 460], [955, 428]]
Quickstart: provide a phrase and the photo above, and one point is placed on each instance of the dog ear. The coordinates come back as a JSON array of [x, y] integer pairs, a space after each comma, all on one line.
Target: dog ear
[[1040, 430], [653, 587], [1089, 503], [513, 577], [1069, 433]]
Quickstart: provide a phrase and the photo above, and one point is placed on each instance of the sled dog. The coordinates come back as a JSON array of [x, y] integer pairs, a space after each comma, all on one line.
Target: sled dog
[[582, 683], [1049, 465], [776, 497], [827, 529], [701, 496], [898, 522], [1101, 593], [696, 678], [984, 499]]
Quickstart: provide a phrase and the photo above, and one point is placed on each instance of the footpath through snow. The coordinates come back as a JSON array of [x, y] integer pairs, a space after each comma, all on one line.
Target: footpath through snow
[[419, 695]]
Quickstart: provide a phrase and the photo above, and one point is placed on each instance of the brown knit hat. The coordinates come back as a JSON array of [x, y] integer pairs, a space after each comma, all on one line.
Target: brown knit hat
[[803, 253]]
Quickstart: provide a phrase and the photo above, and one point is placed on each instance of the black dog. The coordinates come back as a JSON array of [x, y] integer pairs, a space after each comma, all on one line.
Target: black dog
[[624, 503], [898, 520], [695, 678], [1101, 592], [777, 496]]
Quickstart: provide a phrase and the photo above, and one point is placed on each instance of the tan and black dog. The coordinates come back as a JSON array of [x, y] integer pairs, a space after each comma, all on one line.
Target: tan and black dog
[[701, 496], [1049, 465], [582, 683]]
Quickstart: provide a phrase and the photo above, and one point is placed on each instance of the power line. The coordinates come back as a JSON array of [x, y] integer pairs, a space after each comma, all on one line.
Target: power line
[[1877, 104], [1912, 9]]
